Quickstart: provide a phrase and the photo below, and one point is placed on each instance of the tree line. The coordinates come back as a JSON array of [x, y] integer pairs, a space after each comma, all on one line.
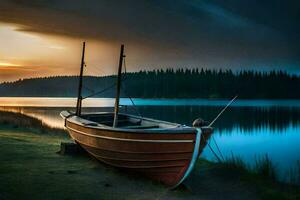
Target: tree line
[[169, 83]]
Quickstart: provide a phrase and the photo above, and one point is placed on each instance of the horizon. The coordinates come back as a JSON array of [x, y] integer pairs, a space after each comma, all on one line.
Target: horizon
[[236, 73], [44, 39]]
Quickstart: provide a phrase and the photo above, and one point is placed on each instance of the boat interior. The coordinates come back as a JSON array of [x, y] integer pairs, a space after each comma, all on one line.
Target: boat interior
[[126, 121]]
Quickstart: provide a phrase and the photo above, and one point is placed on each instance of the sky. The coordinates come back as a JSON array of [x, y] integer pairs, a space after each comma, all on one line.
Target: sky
[[44, 37]]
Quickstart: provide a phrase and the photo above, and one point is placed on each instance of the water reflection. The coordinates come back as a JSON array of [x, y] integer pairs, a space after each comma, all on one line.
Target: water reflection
[[246, 131], [282, 147], [48, 115], [107, 102], [243, 118], [276, 120]]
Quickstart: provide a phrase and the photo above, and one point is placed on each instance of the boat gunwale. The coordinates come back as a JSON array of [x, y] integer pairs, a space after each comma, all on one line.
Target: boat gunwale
[[177, 129], [133, 140]]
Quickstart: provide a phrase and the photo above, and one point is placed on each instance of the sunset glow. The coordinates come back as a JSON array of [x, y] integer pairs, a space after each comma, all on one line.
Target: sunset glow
[[8, 64], [46, 37], [26, 54]]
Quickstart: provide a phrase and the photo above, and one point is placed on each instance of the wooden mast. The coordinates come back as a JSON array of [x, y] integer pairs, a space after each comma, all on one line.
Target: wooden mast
[[79, 97], [118, 87]]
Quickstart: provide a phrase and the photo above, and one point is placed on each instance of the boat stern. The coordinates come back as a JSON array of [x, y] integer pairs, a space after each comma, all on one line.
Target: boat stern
[[65, 114]]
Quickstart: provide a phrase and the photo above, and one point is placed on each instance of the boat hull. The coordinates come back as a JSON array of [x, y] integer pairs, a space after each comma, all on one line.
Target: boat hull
[[167, 158]]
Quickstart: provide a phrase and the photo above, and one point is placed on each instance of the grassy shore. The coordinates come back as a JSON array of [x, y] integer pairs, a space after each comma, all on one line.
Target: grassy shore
[[263, 175], [31, 169]]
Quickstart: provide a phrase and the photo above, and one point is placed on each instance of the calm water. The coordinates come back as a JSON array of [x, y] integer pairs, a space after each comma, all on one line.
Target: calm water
[[249, 129]]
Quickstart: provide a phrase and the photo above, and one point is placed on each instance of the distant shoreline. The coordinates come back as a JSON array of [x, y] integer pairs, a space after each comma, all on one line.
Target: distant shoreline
[[160, 84]]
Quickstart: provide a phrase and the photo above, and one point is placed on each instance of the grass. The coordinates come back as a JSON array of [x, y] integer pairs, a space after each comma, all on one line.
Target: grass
[[263, 175], [263, 167], [24, 122], [31, 169], [294, 174]]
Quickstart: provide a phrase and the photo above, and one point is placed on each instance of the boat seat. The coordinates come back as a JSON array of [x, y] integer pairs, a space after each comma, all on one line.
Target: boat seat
[[121, 123], [141, 127], [90, 124]]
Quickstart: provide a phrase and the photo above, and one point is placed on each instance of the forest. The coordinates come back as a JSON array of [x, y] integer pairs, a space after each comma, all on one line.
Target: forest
[[169, 83]]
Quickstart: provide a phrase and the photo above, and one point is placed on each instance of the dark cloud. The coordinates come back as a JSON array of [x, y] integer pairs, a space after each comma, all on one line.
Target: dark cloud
[[216, 33]]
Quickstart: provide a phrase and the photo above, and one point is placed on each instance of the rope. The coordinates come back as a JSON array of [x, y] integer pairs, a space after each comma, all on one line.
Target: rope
[[215, 142], [218, 148], [89, 89], [211, 149], [101, 91], [134, 106], [111, 86]]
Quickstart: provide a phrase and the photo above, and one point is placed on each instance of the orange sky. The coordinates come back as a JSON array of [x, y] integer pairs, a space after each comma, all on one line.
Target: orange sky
[[26, 54]]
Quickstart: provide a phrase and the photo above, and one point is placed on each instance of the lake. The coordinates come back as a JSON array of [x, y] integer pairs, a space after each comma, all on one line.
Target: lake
[[249, 128]]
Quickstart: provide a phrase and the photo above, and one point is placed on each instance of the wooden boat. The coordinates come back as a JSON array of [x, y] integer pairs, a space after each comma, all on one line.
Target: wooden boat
[[163, 151]]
